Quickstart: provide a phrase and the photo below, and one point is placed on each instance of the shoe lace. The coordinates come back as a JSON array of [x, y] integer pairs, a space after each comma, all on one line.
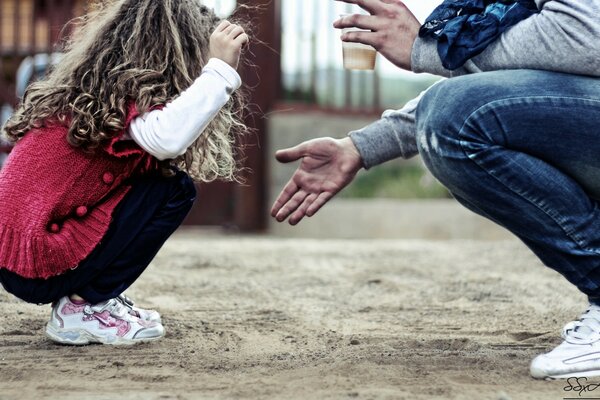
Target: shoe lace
[[586, 329]]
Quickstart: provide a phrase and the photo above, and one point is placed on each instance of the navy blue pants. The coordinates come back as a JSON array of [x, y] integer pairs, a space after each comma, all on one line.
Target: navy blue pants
[[142, 222]]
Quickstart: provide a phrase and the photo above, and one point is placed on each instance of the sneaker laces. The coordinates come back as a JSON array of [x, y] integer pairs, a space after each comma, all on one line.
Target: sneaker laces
[[586, 329]]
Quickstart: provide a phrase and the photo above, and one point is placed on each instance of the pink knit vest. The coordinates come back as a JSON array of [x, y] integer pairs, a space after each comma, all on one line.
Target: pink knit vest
[[56, 201]]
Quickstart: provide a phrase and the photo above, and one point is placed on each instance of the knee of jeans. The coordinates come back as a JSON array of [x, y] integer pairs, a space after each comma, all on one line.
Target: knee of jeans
[[454, 111], [437, 120], [441, 115]]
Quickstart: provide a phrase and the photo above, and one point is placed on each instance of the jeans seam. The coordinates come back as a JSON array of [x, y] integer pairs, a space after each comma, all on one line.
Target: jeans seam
[[493, 103], [570, 233]]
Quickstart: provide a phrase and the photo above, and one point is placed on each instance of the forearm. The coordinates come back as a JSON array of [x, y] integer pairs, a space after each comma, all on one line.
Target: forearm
[[563, 37], [168, 132]]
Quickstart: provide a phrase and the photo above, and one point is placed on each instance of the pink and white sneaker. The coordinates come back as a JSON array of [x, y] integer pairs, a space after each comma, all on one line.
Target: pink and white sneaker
[[109, 322], [141, 313]]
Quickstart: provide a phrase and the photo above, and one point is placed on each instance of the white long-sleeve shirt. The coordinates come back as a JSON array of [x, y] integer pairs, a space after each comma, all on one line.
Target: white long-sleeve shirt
[[167, 133]]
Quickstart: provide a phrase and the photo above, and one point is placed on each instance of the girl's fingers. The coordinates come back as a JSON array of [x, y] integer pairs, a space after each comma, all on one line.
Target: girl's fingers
[[242, 39], [237, 31], [221, 27], [230, 29]]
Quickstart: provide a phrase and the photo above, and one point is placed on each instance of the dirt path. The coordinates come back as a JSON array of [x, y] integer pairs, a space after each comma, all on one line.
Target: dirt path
[[299, 319]]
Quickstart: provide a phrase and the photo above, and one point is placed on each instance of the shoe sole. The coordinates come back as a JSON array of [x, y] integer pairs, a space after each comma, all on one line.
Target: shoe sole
[[80, 337], [576, 374], [581, 374]]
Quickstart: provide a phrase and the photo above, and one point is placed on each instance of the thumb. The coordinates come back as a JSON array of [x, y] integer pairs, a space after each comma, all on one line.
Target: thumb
[[291, 154]]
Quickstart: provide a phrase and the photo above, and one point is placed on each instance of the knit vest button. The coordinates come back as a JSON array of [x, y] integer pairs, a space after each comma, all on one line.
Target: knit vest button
[[108, 178], [54, 228], [81, 211]]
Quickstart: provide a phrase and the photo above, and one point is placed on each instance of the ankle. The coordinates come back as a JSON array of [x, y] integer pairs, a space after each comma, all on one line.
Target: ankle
[[76, 299]]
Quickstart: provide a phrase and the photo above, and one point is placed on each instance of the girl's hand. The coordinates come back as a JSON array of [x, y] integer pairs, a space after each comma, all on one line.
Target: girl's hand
[[227, 41]]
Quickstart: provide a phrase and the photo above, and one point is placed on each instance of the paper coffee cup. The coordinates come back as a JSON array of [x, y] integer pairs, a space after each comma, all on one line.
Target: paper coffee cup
[[357, 55]]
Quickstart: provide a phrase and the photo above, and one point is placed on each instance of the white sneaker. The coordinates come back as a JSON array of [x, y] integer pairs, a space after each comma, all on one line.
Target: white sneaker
[[109, 323], [147, 315], [578, 355]]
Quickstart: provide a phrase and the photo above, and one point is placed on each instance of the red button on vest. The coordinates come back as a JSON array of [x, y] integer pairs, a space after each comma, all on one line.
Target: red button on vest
[[81, 211], [108, 178], [54, 228]]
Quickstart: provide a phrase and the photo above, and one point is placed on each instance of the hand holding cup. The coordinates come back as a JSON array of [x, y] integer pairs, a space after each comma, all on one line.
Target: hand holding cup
[[390, 28], [357, 55]]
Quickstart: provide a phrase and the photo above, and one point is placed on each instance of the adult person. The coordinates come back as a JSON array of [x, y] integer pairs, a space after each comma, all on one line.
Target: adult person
[[513, 135]]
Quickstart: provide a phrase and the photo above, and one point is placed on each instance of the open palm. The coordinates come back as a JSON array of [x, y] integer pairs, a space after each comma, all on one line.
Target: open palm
[[328, 165]]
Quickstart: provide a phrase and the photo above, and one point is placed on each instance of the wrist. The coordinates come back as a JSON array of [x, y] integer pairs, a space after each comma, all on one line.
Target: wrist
[[225, 70], [355, 161]]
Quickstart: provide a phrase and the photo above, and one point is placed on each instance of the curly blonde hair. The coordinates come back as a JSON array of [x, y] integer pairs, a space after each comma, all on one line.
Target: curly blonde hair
[[147, 51]]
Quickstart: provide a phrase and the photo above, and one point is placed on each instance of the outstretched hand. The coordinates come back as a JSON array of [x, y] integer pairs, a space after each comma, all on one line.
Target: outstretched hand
[[328, 165], [391, 29]]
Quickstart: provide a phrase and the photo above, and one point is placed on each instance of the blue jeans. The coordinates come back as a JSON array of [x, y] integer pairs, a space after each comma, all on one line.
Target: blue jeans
[[522, 148], [152, 210]]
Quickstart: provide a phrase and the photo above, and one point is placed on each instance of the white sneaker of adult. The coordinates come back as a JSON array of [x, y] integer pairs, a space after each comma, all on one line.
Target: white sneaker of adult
[[109, 322], [578, 355], [142, 313]]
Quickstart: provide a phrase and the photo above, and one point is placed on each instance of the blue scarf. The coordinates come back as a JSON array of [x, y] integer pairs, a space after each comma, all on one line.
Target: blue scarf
[[464, 28]]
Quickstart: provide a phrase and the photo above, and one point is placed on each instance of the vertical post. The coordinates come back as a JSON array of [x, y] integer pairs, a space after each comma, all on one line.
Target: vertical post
[[17, 27], [32, 30], [265, 82], [50, 8]]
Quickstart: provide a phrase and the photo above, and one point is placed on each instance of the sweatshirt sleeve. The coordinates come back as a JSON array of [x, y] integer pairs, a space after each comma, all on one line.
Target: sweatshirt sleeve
[[168, 132], [392, 136], [562, 37]]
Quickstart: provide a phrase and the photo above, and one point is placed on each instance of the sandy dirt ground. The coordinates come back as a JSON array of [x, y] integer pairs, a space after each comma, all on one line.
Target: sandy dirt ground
[[261, 318]]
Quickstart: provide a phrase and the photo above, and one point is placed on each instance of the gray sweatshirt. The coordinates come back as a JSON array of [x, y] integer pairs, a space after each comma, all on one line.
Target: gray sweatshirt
[[563, 37]]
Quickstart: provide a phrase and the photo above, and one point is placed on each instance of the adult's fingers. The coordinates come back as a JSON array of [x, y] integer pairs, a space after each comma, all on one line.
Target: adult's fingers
[[394, 2], [292, 205], [286, 194], [372, 6], [300, 213], [358, 21], [370, 38], [291, 154], [318, 203]]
